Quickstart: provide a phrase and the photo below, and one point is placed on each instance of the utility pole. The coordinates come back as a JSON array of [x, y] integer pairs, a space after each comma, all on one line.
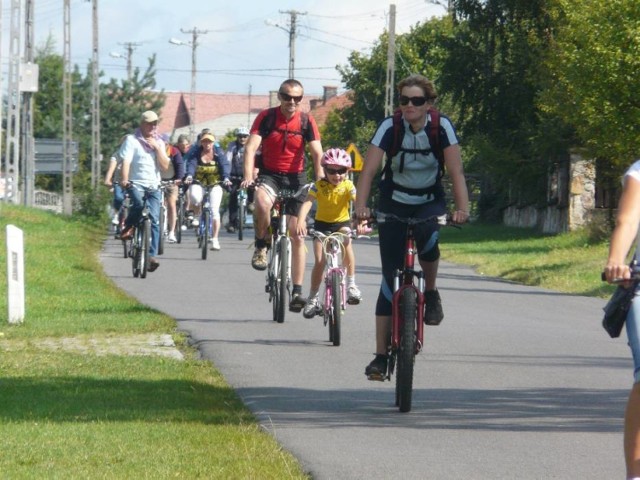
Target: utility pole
[[12, 155], [292, 38], [27, 88], [95, 103], [67, 167], [391, 62], [194, 45]]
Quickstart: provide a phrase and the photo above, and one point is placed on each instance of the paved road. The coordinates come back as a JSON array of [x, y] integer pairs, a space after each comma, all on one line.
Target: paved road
[[517, 383]]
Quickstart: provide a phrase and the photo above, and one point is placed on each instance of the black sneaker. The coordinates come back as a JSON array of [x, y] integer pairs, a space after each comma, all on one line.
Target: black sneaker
[[297, 303], [377, 369], [433, 314]]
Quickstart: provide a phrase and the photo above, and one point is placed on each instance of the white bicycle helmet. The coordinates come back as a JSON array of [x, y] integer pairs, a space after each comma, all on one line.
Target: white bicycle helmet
[[242, 131], [336, 157]]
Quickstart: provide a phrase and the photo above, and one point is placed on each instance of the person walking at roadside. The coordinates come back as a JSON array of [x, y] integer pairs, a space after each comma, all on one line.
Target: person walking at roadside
[[617, 267], [176, 174], [333, 195], [282, 132], [411, 187], [144, 157], [208, 168]]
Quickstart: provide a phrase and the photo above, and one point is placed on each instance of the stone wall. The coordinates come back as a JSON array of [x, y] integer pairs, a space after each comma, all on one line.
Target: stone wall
[[571, 199]]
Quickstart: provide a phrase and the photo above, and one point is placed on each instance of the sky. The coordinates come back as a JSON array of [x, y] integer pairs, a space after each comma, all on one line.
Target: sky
[[242, 46]]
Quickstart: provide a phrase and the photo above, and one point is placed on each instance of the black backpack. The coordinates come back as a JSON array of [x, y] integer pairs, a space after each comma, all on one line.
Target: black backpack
[[267, 125], [433, 133]]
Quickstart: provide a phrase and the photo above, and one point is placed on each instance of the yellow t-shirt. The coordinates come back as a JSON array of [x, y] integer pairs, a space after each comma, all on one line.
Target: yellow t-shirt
[[333, 200], [207, 173]]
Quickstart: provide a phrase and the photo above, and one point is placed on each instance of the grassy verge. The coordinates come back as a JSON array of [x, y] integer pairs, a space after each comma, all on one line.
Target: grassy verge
[[567, 263], [86, 415]]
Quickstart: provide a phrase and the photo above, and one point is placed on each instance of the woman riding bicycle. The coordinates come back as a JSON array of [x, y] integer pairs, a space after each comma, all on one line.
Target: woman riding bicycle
[[334, 194], [208, 168], [411, 187]]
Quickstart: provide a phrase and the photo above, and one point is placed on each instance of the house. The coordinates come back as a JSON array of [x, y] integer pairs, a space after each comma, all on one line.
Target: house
[[224, 112]]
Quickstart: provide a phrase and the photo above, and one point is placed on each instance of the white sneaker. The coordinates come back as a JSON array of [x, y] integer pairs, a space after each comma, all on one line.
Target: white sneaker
[[195, 222], [312, 308], [115, 219], [215, 244], [353, 295], [183, 228], [171, 238]]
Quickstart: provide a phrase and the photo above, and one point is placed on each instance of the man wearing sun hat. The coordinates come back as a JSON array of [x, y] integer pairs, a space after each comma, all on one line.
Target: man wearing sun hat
[[144, 157]]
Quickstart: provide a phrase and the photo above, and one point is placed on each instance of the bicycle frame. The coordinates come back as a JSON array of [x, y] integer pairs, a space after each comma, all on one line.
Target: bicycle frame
[[405, 279]]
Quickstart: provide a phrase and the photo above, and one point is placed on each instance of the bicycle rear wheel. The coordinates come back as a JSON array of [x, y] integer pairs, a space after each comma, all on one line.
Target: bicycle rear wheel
[[336, 308], [144, 247], [283, 274], [206, 230], [406, 350]]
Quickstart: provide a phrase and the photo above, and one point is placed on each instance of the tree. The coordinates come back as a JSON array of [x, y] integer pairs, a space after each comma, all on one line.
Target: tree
[[593, 81]]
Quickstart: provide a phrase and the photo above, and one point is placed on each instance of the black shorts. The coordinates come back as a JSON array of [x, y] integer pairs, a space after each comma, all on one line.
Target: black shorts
[[274, 182], [332, 227]]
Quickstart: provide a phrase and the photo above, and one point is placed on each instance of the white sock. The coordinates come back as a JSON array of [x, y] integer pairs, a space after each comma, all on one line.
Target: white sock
[[351, 280]]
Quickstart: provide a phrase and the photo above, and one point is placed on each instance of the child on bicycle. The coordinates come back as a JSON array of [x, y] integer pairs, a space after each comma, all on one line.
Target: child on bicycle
[[333, 194]]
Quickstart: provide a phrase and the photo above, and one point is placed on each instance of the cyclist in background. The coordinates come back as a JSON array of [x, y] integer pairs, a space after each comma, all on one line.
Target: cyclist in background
[[175, 173], [334, 193], [144, 157], [412, 189], [282, 167], [235, 157], [112, 180], [207, 167]]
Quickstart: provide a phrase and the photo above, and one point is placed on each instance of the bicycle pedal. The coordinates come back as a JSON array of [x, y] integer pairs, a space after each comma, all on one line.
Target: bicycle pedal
[[353, 301], [267, 288], [376, 377]]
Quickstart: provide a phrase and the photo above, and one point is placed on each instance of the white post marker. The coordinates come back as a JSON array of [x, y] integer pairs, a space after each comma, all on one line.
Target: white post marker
[[15, 274]]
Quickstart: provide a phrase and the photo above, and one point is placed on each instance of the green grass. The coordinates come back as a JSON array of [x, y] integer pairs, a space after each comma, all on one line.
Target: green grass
[[566, 263], [69, 415]]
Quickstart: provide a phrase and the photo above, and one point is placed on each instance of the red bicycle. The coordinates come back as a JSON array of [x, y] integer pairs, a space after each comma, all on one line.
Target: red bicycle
[[407, 327]]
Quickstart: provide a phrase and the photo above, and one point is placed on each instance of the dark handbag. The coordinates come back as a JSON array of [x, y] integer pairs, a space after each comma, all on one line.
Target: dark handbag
[[617, 308]]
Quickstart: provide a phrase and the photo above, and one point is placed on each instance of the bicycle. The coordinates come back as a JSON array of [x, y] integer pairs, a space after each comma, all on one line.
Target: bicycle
[[140, 241], [180, 214], [279, 266], [204, 230], [242, 211], [123, 211], [407, 328], [333, 301]]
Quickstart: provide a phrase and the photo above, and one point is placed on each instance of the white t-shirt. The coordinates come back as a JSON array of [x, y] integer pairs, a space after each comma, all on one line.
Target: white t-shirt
[[144, 170]]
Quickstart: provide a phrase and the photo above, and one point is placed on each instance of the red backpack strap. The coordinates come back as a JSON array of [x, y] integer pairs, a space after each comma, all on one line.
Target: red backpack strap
[[434, 137]]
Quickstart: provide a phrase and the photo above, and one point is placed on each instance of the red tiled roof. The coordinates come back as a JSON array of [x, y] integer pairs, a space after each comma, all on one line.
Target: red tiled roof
[[214, 106], [338, 102]]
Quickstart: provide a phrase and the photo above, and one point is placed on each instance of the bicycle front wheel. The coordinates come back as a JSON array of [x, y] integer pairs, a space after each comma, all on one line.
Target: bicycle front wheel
[[162, 224], [241, 214], [336, 308], [144, 247], [206, 231], [180, 219], [407, 349], [135, 252], [283, 275]]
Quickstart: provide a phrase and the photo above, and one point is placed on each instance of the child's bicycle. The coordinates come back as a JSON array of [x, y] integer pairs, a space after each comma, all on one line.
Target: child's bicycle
[[334, 300], [407, 328], [279, 267]]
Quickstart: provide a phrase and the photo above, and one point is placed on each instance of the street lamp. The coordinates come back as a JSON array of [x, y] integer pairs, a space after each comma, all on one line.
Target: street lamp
[[194, 45]]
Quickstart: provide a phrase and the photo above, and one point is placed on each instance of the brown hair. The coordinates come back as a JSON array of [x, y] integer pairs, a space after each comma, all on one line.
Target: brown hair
[[417, 80]]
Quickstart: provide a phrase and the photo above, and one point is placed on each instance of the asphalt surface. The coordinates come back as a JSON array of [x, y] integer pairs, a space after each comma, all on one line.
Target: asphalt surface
[[516, 383]]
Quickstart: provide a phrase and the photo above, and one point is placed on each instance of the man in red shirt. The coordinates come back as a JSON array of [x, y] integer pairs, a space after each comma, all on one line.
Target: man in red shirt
[[283, 133]]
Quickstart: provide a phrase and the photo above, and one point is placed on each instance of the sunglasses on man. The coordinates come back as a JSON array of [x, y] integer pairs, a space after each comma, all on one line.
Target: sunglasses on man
[[287, 98]]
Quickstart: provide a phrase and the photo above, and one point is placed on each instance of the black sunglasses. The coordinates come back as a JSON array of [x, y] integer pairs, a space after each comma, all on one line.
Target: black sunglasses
[[333, 171], [287, 98], [416, 101]]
